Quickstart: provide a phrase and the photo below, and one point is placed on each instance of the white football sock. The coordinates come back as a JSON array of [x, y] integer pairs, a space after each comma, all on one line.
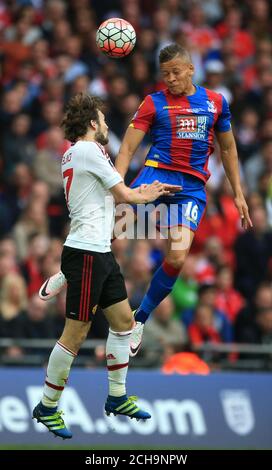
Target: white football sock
[[58, 369], [117, 354]]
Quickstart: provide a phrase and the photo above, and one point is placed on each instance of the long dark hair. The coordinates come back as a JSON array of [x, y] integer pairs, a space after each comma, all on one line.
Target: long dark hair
[[80, 111]]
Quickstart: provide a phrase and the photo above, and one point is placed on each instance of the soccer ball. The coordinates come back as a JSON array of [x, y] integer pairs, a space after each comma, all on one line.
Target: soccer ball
[[116, 37]]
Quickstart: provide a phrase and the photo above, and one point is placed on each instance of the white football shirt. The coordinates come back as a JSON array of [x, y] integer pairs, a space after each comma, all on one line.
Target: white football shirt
[[88, 174]]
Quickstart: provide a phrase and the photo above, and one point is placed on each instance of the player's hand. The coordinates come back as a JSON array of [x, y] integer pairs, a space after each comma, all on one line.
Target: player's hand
[[142, 187], [152, 191], [242, 207], [170, 188]]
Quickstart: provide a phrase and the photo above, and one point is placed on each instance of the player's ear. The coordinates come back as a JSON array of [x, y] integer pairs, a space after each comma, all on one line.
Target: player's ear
[[93, 124], [192, 69]]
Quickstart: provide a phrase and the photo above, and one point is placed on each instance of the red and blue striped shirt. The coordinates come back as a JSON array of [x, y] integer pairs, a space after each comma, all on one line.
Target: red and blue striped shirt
[[182, 129]]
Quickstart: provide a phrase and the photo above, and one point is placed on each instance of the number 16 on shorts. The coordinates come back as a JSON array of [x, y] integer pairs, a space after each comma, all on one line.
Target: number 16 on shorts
[[191, 214]]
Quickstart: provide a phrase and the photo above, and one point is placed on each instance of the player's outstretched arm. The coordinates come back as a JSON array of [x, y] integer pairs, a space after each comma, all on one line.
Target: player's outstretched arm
[[131, 141], [142, 195], [229, 158]]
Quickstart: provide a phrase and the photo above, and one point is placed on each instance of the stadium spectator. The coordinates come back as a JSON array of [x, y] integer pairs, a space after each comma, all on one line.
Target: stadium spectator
[[164, 334], [227, 298], [17, 145], [184, 293], [253, 254], [38, 245], [13, 301], [32, 221], [247, 315], [220, 321]]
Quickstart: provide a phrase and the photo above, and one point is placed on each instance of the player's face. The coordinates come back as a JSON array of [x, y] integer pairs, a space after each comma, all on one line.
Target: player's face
[[177, 76], [101, 134]]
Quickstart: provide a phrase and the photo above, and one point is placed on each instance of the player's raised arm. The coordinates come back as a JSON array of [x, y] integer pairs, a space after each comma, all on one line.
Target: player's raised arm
[[131, 141], [139, 126], [229, 158]]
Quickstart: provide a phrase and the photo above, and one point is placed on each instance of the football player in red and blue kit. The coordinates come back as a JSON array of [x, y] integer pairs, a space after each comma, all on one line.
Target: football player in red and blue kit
[[182, 121]]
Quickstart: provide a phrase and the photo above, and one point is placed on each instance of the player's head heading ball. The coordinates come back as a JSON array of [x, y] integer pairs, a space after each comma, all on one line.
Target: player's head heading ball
[[177, 69], [84, 114]]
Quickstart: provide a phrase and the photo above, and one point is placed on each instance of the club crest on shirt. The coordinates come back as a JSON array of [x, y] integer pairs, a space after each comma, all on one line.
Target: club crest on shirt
[[211, 106], [192, 127]]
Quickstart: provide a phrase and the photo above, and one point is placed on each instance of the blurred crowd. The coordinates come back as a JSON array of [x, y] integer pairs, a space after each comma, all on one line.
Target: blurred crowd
[[47, 54]]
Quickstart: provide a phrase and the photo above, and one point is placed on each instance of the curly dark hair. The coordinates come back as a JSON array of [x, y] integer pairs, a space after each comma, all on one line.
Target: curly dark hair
[[172, 51], [80, 111]]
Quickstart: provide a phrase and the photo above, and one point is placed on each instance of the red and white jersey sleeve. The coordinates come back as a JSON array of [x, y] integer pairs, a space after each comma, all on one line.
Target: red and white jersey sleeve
[[144, 116]]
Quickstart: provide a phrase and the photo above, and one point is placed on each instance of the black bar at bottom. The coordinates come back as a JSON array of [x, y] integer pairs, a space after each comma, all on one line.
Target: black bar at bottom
[[121, 458]]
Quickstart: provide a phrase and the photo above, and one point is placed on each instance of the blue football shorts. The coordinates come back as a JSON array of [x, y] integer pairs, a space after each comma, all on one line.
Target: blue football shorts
[[185, 208]]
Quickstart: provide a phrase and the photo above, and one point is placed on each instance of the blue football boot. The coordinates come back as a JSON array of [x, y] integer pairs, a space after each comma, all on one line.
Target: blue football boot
[[51, 418], [125, 406]]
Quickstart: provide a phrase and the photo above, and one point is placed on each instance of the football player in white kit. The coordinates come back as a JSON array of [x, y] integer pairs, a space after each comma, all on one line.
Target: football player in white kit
[[91, 185]]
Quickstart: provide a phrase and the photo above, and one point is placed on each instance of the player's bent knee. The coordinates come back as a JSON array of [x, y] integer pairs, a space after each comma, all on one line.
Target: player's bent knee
[[123, 323], [127, 323], [74, 334]]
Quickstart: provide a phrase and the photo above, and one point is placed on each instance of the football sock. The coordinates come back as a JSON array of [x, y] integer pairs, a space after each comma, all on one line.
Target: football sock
[[161, 285], [117, 354], [58, 369]]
